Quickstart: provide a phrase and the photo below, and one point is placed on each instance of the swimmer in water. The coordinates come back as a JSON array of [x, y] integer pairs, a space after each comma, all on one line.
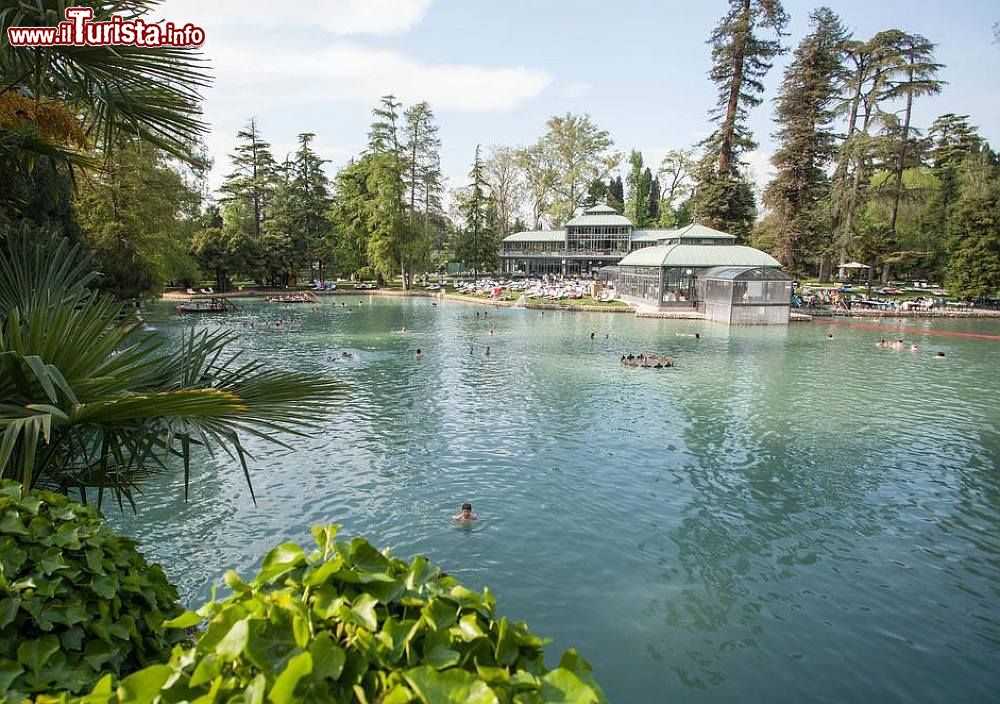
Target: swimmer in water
[[487, 350], [465, 514], [419, 353]]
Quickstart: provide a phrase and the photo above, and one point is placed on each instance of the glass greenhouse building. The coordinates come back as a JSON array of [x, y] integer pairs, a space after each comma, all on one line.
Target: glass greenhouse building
[[727, 282], [746, 296]]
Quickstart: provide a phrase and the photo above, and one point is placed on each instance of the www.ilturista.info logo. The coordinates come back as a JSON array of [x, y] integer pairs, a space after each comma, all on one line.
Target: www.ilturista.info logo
[[80, 30]]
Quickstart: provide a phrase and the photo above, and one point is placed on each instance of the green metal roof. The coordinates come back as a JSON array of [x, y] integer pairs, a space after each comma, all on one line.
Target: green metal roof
[[537, 236], [699, 256], [653, 235], [599, 219], [700, 232], [601, 208]]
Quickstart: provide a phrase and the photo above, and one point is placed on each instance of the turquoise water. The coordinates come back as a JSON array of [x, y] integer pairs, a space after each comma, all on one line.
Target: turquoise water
[[780, 517]]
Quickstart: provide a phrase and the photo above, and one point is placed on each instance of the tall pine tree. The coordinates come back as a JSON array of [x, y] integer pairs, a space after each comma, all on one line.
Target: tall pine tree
[[915, 75], [253, 180], [741, 57], [422, 174], [806, 142]]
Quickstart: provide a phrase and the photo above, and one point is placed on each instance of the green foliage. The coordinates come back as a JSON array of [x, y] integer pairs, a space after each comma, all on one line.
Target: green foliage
[[253, 180], [974, 268], [348, 623], [725, 202], [137, 214], [741, 58], [478, 244], [806, 142], [76, 601], [640, 185], [85, 402], [560, 167]]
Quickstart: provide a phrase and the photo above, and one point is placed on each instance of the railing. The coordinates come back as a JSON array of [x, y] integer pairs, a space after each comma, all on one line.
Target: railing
[[566, 254]]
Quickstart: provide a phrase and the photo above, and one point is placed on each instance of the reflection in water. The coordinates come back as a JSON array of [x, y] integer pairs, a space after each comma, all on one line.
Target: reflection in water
[[778, 514]]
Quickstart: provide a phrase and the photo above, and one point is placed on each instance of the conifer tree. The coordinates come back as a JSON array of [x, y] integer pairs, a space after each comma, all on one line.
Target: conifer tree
[[422, 174], [741, 57], [597, 193], [974, 228], [384, 166], [477, 246], [806, 142], [616, 194], [915, 75], [639, 182], [254, 177]]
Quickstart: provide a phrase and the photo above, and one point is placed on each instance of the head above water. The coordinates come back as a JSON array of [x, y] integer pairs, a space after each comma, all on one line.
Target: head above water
[[466, 506]]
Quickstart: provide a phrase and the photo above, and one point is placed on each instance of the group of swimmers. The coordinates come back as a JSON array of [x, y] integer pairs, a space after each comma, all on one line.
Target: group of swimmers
[[343, 355], [896, 345], [900, 345], [647, 361]]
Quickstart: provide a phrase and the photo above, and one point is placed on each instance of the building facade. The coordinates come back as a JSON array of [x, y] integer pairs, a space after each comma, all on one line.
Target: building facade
[[692, 267], [600, 237]]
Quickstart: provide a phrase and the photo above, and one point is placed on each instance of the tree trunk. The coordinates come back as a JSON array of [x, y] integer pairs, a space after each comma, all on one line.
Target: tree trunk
[[825, 267], [735, 88], [898, 187]]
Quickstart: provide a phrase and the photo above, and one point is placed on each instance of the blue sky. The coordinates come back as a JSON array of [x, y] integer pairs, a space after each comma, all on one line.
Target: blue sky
[[495, 71]]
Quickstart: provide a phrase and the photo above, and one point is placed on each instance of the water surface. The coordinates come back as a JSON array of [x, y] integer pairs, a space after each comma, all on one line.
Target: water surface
[[780, 517]]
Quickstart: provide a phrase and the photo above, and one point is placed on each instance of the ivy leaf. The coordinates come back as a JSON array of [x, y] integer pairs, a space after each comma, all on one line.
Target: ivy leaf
[[206, 671], [9, 671], [363, 611], [8, 610], [449, 687], [142, 687], [281, 560], [283, 691], [563, 687], [235, 641], [35, 653], [254, 692], [185, 620], [328, 657], [441, 657]]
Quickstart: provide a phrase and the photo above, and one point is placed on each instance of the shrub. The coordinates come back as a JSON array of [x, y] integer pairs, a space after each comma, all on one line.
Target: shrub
[[348, 623], [76, 600]]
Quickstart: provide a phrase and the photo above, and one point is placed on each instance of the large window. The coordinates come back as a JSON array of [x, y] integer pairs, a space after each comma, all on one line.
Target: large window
[[639, 282], [598, 239]]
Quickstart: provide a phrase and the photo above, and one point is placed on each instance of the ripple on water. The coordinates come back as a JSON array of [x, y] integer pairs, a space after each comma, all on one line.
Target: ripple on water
[[776, 511]]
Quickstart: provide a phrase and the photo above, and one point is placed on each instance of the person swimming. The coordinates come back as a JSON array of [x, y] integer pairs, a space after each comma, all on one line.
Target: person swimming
[[487, 353], [939, 355], [466, 514], [593, 335], [419, 353]]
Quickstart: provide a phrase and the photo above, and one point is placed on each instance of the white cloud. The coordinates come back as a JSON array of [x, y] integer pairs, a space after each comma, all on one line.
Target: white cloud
[[351, 73], [334, 16]]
